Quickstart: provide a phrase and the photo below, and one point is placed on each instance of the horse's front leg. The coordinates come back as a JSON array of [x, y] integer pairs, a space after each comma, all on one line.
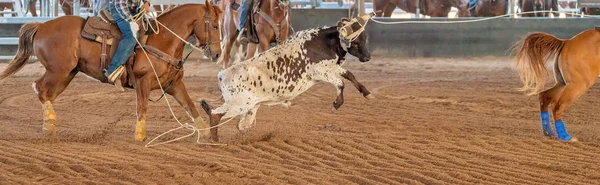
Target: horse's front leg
[[361, 88], [180, 94], [142, 90]]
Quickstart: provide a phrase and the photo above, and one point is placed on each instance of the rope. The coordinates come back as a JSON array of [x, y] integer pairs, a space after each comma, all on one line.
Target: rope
[[184, 41], [478, 20], [186, 125]]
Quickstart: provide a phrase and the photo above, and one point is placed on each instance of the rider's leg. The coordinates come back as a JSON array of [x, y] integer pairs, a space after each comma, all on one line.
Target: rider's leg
[[246, 4], [125, 46]]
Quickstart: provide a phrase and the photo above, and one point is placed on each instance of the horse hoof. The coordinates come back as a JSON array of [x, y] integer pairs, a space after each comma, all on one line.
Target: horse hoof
[[140, 131], [548, 133], [49, 129], [201, 124], [140, 137], [370, 97], [573, 139]]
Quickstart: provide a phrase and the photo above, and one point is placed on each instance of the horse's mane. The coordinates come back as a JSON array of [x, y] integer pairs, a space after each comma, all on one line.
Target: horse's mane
[[216, 9]]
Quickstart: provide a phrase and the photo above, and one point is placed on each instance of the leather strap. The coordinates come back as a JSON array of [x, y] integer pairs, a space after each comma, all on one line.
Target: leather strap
[[103, 56], [274, 25], [163, 56]]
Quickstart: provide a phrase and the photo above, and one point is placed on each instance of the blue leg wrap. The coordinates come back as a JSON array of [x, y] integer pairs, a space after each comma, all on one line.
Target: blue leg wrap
[[546, 128], [562, 131]]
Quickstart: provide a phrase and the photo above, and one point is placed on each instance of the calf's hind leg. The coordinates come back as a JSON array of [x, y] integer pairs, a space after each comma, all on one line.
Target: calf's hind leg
[[248, 120], [214, 120]]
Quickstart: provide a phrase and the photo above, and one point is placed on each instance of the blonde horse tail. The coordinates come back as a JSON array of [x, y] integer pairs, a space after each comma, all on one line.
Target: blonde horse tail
[[24, 50], [532, 54]]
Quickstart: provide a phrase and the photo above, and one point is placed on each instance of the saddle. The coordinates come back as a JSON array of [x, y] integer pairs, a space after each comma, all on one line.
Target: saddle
[[103, 29]]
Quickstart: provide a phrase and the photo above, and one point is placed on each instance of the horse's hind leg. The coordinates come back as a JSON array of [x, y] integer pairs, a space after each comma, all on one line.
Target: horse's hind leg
[[572, 92], [48, 87], [549, 97], [546, 98]]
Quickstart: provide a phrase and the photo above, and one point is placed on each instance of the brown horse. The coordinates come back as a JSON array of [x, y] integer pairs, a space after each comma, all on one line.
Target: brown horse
[[433, 8], [489, 8], [64, 53], [538, 5], [576, 69], [277, 10]]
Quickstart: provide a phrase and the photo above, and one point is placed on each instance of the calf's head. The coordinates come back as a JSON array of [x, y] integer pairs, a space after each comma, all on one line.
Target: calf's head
[[353, 37]]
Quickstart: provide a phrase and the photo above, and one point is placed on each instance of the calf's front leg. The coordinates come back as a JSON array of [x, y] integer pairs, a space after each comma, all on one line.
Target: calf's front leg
[[361, 88]]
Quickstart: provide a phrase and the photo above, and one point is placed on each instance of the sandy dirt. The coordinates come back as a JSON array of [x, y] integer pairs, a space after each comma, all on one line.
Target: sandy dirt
[[434, 121]]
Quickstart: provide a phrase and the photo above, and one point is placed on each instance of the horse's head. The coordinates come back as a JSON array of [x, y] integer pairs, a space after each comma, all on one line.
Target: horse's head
[[353, 37], [207, 31]]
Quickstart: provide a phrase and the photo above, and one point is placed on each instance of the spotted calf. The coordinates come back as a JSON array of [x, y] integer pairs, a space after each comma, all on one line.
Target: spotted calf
[[284, 72]]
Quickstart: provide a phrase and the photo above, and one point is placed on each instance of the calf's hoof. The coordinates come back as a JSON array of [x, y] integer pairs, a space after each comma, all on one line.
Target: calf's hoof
[[370, 97], [336, 105]]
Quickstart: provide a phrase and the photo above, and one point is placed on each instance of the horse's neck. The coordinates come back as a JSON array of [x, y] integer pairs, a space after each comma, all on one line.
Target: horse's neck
[[271, 8], [166, 41]]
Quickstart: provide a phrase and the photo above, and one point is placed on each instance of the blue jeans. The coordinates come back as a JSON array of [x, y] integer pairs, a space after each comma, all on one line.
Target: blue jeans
[[126, 44], [246, 4]]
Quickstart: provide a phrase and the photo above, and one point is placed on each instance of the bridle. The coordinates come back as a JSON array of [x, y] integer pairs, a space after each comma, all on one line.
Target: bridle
[[207, 26]]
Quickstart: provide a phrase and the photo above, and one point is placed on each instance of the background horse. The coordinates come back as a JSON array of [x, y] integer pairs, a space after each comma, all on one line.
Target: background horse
[[67, 5], [64, 53], [489, 8], [591, 11], [277, 10], [433, 8], [538, 5], [576, 69]]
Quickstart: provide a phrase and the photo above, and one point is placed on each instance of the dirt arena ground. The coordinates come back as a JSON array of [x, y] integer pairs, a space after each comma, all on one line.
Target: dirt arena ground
[[434, 121]]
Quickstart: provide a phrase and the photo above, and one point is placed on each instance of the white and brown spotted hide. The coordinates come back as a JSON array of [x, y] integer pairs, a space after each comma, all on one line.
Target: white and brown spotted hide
[[279, 75]]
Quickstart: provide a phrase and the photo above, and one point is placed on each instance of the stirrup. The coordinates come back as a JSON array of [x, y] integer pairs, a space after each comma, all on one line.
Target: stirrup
[[242, 37], [115, 78]]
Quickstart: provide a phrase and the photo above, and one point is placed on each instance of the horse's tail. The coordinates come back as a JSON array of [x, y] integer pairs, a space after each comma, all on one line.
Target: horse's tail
[[533, 53], [24, 50]]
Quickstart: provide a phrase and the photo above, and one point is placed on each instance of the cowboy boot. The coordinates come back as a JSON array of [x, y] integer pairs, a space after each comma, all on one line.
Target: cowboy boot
[[242, 37], [115, 77]]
